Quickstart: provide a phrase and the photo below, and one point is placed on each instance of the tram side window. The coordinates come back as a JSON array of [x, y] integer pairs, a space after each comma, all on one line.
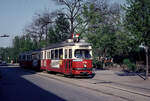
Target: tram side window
[[60, 53], [30, 57], [65, 53], [24, 57], [45, 55], [56, 54], [52, 54], [21, 57], [33, 56], [38, 56], [41, 56], [70, 53], [48, 55], [27, 57]]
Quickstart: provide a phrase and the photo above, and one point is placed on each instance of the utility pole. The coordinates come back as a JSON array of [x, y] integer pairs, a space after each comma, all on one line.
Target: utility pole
[[146, 48], [147, 69]]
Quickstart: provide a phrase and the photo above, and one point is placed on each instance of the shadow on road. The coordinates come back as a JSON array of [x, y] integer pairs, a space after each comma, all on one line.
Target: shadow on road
[[126, 74], [141, 75], [13, 87]]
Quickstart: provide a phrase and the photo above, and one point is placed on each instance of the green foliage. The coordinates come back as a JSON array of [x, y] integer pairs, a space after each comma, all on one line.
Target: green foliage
[[52, 36], [131, 66], [137, 20], [60, 31], [123, 43], [97, 64], [7, 54], [20, 44], [104, 31], [62, 28]]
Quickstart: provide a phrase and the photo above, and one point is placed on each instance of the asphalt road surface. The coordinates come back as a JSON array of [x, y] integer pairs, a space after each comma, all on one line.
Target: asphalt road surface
[[17, 84]]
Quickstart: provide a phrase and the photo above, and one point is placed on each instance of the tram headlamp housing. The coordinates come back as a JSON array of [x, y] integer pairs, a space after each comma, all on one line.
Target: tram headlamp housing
[[85, 65]]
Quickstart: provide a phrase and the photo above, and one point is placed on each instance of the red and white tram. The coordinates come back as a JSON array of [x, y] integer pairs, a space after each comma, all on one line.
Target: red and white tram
[[69, 57]]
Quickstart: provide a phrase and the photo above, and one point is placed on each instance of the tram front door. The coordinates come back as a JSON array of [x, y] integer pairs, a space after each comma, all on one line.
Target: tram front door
[[68, 67]]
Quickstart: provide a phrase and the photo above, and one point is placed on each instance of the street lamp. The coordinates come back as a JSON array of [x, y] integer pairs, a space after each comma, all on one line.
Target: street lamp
[[4, 35], [146, 54]]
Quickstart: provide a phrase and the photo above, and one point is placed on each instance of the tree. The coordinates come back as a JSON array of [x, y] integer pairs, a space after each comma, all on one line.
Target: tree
[[21, 44], [16, 44], [137, 22], [38, 29], [101, 25], [7, 54], [72, 9], [52, 36], [59, 31], [61, 28]]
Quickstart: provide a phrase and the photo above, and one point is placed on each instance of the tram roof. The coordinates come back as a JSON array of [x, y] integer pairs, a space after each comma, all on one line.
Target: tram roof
[[30, 52], [68, 42]]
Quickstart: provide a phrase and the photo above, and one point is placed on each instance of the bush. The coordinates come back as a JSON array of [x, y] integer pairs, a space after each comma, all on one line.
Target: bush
[[131, 66], [97, 64]]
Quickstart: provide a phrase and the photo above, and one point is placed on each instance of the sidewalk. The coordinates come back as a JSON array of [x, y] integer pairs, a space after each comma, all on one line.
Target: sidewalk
[[129, 81]]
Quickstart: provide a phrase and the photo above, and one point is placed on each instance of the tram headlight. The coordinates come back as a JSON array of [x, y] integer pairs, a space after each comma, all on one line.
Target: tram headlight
[[85, 65]]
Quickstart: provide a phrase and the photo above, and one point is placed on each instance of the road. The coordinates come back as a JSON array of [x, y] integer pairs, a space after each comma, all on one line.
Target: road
[[17, 84]]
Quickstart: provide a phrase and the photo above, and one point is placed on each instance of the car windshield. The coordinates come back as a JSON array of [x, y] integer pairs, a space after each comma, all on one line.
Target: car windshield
[[83, 54]]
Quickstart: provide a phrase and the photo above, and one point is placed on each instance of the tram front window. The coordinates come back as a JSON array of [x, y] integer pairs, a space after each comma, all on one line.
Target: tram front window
[[82, 54]]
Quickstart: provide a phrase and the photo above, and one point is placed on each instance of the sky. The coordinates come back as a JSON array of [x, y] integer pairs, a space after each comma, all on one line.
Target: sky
[[16, 14]]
